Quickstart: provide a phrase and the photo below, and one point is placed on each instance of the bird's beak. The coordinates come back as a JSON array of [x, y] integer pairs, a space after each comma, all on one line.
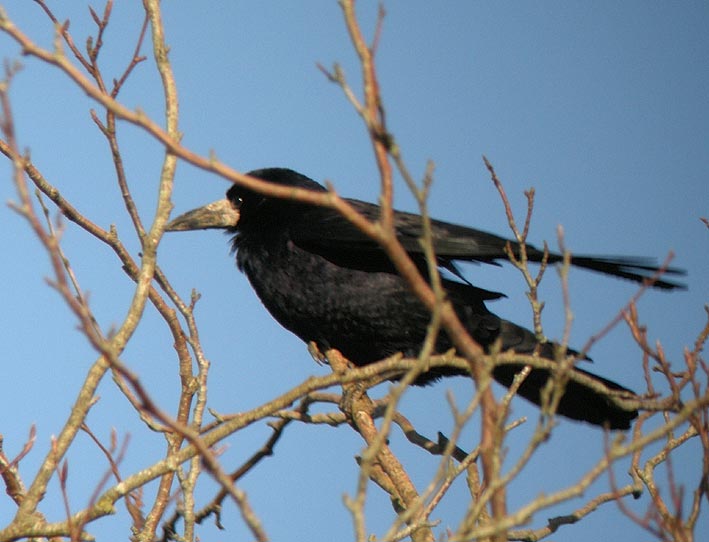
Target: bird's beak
[[219, 214]]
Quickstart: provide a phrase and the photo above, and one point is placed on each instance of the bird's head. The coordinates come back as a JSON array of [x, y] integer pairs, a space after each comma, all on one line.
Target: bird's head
[[240, 202]]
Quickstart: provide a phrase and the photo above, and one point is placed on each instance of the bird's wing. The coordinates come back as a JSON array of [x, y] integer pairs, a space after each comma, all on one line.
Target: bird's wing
[[328, 233], [326, 228]]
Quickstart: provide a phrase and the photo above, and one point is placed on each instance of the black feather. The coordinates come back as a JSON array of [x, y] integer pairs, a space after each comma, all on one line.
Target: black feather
[[327, 282]]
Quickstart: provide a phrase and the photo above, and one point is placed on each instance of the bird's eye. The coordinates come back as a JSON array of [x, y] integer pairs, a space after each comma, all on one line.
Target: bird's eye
[[238, 203]]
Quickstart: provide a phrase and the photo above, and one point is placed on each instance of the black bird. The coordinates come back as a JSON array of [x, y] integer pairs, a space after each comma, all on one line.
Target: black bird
[[325, 281]]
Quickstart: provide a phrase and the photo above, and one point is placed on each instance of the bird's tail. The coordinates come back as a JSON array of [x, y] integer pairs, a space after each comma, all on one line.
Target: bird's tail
[[579, 402], [592, 403]]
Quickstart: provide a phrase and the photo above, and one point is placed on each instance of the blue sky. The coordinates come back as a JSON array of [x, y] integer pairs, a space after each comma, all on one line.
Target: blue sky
[[602, 107]]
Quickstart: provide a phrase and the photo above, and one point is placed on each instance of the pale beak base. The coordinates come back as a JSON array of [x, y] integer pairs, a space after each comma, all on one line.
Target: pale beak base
[[220, 214]]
